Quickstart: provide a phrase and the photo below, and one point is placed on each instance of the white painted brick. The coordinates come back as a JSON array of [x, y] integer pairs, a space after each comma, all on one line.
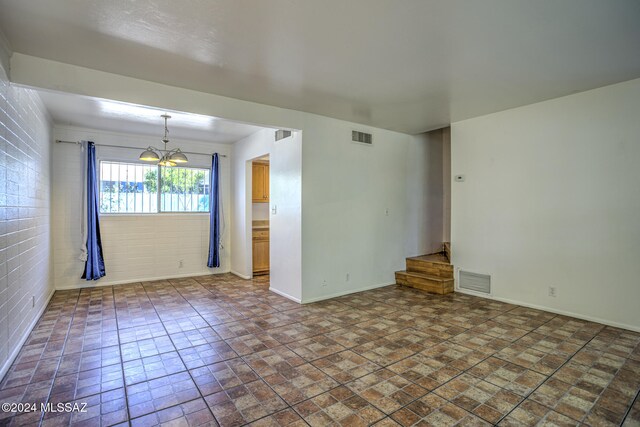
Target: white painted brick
[[25, 260]]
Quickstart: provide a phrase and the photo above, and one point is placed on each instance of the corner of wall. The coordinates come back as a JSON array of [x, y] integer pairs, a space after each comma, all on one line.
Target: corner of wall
[[285, 193], [550, 200], [5, 55]]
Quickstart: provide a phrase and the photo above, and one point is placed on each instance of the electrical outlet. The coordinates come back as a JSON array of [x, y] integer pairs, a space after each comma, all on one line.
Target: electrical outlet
[[181, 263], [324, 283], [552, 291]]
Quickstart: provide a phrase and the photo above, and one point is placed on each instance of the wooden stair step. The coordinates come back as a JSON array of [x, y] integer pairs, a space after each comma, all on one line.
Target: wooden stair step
[[438, 258], [417, 265], [433, 284]]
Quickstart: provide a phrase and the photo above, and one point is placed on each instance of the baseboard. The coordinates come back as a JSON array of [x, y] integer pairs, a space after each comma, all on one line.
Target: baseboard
[[350, 291], [242, 276], [16, 351], [553, 310], [283, 294], [98, 283]]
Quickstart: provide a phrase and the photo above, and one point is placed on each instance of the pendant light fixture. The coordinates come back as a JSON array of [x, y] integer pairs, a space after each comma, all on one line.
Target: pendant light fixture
[[164, 157]]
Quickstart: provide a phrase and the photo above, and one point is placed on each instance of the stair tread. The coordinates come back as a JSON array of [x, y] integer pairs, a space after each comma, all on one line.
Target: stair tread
[[438, 258], [425, 276]]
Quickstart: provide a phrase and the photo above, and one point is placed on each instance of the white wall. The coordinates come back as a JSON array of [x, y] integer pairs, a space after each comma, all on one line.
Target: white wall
[[260, 211], [425, 193], [347, 189], [367, 208], [552, 198], [284, 194], [25, 233], [136, 246]]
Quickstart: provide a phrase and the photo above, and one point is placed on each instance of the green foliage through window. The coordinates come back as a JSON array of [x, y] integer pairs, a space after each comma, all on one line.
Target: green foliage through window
[[133, 188]]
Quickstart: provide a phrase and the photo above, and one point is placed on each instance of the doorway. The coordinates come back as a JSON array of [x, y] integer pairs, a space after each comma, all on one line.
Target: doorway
[[260, 232]]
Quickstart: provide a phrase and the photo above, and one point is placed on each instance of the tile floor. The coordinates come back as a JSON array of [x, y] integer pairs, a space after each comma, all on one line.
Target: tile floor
[[218, 350]]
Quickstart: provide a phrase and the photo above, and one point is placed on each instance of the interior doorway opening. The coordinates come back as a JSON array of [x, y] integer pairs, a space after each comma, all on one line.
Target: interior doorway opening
[[260, 208]]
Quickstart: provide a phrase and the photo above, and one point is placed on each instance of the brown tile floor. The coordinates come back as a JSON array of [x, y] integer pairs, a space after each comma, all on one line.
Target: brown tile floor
[[218, 350]]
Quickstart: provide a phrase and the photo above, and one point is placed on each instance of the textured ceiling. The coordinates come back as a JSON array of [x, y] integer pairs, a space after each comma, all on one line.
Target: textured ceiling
[[406, 65]]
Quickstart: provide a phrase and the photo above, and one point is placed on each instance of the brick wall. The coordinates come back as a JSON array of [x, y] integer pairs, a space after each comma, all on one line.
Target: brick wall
[[25, 255]]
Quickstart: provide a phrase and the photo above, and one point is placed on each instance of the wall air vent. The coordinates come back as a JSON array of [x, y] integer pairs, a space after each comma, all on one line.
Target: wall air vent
[[282, 134], [475, 282], [361, 137]]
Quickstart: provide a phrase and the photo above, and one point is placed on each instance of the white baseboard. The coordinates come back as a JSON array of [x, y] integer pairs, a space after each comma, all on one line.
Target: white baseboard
[[553, 310], [23, 338], [283, 294], [98, 283], [347, 292], [242, 276]]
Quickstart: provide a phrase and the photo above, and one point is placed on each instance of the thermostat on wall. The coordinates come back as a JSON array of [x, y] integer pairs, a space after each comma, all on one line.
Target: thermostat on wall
[[459, 178]]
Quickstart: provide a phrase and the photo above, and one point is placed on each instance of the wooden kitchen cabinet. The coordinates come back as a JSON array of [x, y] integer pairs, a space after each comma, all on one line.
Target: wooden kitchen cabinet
[[260, 171], [260, 252]]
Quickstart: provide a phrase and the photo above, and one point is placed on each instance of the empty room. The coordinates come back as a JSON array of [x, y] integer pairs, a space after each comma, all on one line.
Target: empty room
[[320, 213]]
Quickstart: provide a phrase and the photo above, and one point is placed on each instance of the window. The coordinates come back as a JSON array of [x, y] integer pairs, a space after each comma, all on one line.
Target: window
[[128, 188], [184, 189], [133, 188]]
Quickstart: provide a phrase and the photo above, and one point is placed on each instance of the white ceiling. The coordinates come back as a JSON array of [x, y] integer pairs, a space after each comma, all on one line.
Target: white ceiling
[[407, 65], [74, 110]]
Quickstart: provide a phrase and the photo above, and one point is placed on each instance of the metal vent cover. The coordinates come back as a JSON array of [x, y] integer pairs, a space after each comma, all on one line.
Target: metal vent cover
[[282, 134], [475, 282], [361, 137]]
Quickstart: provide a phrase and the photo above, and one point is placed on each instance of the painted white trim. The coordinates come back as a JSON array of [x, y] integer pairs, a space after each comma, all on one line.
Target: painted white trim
[[242, 276], [555, 311], [283, 294], [350, 291], [99, 283], [23, 339]]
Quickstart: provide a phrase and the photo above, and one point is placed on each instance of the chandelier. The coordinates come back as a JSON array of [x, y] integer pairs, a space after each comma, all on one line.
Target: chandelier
[[164, 157]]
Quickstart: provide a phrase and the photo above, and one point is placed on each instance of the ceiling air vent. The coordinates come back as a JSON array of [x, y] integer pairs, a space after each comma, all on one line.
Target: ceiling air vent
[[282, 134], [475, 282], [361, 137]]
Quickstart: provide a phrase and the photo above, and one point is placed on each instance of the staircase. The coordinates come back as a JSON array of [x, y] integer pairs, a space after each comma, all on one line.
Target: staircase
[[432, 273]]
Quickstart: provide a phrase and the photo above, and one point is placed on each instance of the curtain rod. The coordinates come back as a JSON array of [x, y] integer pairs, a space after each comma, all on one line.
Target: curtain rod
[[131, 148]]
